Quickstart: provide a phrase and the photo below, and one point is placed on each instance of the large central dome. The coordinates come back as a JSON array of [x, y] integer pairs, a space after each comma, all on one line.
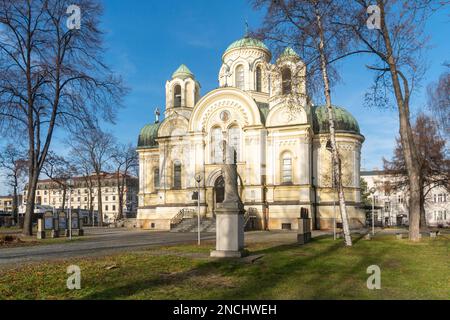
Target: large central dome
[[247, 42]]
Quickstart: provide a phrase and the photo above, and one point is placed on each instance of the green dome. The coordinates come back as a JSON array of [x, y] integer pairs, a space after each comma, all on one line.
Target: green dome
[[247, 42], [148, 135], [289, 52], [183, 72], [345, 122]]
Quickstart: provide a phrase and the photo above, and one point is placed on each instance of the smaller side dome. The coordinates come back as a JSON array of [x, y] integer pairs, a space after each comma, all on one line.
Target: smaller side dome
[[289, 53], [345, 122], [148, 136], [183, 72]]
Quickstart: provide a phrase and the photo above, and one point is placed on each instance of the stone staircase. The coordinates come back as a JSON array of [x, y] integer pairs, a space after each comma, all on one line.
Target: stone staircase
[[207, 225]]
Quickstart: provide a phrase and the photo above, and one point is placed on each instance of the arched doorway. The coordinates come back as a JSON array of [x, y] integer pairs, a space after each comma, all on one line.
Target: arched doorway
[[219, 191]]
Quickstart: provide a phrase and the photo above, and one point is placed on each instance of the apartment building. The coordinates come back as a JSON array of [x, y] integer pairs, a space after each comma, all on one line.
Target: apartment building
[[84, 193]]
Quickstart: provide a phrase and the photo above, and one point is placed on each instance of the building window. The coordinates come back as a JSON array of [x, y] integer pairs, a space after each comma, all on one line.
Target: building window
[[106, 198], [106, 208], [240, 77], [286, 169], [258, 79], [177, 96], [216, 145], [156, 178], [234, 140], [286, 76], [113, 208], [177, 175]]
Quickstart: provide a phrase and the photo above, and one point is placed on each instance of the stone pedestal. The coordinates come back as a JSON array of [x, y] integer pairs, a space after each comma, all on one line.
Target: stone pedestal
[[229, 231], [80, 231], [304, 231], [41, 229], [55, 231]]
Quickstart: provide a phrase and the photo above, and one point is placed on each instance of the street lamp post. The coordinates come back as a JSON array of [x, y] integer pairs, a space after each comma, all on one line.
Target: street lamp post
[[69, 184], [198, 178], [372, 191]]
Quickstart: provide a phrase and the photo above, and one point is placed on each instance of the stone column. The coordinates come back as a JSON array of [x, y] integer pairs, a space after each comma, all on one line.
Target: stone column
[[41, 229], [229, 215]]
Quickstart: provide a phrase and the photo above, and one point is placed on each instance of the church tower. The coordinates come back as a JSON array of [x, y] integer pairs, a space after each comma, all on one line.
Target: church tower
[[182, 92]]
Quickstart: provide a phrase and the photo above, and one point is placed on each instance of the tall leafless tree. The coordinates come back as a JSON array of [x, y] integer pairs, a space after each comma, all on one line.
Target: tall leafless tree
[[59, 170], [396, 40], [439, 102], [434, 164], [94, 148], [13, 162], [308, 26], [52, 75], [125, 161]]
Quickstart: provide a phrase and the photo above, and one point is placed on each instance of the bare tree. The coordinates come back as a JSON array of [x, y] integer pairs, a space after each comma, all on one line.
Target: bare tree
[[52, 75], [59, 170], [125, 161], [308, 25], [94, 148], [434, 165], [439, 102], [85, 169], [14, 163], [396, 41]]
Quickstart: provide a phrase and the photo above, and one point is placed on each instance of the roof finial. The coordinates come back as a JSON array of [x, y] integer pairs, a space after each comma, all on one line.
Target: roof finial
[[246, 29], [157, 114]]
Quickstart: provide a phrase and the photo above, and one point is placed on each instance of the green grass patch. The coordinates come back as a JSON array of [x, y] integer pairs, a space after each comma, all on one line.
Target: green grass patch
[[323, 269]]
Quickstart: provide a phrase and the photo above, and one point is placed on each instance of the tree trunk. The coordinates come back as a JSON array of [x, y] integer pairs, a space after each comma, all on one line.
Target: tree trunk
[[99, 201], [406, 135], [15, 213], [423, 217], [337, 172], [64, 198], [31, 196]]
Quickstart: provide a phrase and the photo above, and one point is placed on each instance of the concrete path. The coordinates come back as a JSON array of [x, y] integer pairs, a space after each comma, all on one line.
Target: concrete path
[[98, 242], [105, 241]]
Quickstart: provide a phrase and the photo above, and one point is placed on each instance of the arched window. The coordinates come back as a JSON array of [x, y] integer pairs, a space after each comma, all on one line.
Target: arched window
[[177, 175], [216, 145], [234, 140], [240, 77], [156, 178], [286, 168], [286, 76], [258, 79], [177, 96]]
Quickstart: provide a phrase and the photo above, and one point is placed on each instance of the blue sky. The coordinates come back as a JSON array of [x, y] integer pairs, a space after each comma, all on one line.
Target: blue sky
[[147, 40]]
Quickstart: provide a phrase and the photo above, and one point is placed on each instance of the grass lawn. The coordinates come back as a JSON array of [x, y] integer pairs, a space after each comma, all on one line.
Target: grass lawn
[[323, 269]]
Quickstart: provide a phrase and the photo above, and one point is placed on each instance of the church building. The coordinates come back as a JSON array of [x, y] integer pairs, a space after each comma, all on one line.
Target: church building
[[261, 110]]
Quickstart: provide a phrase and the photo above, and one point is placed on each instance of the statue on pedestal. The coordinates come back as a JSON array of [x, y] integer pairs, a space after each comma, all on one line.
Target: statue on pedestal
[[230, 213], [230, 176]]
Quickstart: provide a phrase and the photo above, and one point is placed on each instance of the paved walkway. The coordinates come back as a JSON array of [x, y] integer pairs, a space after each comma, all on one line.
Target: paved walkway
[[105, 241], [98, 242]]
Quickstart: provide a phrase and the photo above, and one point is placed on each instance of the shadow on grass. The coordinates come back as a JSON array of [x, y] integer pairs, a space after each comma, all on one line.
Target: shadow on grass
[[279, 265]]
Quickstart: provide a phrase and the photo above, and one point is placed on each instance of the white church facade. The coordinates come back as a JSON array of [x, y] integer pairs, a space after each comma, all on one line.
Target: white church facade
[[262, 111]]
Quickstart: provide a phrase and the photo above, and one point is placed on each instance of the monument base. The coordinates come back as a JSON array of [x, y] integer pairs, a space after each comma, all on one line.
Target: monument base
[[229, 231], [55, 234], [41, 235], [227, 254]]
